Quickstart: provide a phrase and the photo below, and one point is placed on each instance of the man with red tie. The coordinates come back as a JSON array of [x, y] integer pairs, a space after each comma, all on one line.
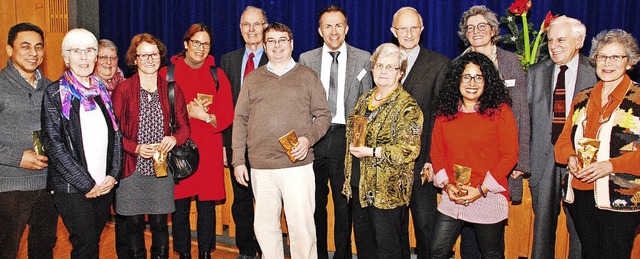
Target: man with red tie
[[238, 64]]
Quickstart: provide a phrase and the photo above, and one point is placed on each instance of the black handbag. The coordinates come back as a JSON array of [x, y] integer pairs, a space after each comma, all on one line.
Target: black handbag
[[182, 160]]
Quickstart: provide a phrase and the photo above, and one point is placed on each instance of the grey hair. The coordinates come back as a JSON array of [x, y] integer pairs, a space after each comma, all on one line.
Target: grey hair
[[250, 7], [77, 36], [577, 27], [615, 36], [488, 15], [406, 8], [390, 49], [105, 43]]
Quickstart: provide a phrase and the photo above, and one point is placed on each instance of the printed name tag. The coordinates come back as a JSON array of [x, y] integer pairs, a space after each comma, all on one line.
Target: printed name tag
[[510, 82], [361, 75]]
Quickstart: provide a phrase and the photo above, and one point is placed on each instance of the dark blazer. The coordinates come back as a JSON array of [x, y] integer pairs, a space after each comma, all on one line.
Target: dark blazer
[[540, 94], [357, 60], [126, 105], [231, 64], [63, 143], [424, 82]]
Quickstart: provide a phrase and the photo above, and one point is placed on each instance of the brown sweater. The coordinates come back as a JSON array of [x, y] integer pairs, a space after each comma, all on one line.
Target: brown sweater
[[269, 106]]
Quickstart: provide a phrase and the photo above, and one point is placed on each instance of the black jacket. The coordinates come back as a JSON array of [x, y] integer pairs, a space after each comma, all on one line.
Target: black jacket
[[62, 140]]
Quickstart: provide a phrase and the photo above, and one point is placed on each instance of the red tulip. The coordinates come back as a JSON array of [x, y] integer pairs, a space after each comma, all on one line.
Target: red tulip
[[547, 20], [520, 7]]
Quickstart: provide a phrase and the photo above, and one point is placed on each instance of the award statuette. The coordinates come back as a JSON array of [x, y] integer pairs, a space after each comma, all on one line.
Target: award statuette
[[289, 141], [462, 175], [159, 162], [205, 99], [359, 130], [587, 151], [38, 147]]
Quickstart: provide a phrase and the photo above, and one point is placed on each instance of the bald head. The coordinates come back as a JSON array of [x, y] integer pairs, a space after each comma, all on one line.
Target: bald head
[[407, 27]]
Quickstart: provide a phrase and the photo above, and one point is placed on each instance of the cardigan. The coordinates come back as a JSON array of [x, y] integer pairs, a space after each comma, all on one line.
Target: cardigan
[[395, 126], [625, 133], [20, 115], [126, 105]]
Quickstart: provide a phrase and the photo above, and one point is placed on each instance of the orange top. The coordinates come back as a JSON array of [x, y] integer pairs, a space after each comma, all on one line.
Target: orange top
[[595, 110]]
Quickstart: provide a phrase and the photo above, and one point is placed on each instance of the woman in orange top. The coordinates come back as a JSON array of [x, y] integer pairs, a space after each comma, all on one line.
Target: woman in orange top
[[609, 112]]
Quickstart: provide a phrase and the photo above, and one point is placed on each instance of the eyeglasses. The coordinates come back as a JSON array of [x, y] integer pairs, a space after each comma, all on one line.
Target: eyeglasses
[[413, 29], [480, 27], [154, 56], [388, 67], [466, 78], [246, 25], [613, 58], [105, 59], [279, 41], [87, 51], [197, 44]]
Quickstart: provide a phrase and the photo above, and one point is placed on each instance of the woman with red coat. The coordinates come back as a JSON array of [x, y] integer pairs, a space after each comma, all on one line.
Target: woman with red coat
[[208, 119]]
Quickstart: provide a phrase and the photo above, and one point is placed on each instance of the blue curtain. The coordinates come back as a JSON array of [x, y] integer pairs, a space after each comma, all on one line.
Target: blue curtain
[[369, 21]]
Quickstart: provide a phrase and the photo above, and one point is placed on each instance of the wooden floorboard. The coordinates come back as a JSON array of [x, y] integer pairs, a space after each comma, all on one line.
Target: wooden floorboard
[[107, 245]]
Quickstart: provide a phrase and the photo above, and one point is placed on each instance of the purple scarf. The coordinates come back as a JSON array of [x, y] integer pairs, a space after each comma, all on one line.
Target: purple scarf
[[71, 88]]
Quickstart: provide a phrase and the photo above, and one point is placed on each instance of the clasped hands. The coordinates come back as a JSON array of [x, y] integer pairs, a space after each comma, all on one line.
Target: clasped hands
[[103, 188], [473, 194], [147, 150], [198, 109], [589, 173]]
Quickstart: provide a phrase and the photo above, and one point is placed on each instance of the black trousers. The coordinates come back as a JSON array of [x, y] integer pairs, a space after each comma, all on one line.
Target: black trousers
[[328, 167], [159, 233], [603, 233], [84, 218], [490, 237], [423, 207], [243, 213], [206, 226], [378, 232], [19, 208]]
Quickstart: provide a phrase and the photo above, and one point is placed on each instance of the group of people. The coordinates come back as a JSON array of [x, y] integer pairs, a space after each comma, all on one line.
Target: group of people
[[470, 129]]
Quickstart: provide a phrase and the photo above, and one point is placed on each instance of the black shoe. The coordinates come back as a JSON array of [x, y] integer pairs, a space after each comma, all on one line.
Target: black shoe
[[138, 254], [159, 252], [185, 255], [204, 255]]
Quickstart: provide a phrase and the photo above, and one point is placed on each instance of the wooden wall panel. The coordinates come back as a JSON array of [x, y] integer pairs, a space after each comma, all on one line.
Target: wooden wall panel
[[51, 16]]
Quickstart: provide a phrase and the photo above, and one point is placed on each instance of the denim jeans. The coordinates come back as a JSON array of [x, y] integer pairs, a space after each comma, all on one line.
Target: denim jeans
[[19, 208], [490, 237]]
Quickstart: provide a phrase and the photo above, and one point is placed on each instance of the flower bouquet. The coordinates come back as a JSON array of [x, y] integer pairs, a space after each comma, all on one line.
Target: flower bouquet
[[521, 37]]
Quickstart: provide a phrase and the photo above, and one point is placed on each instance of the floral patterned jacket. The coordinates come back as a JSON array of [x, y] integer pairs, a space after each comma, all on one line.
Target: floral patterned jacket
[[395, 126]]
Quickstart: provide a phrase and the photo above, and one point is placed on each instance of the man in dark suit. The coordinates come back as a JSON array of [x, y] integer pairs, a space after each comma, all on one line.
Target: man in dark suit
[[237, 64], [566, 37], [345, 77], [426, 70]]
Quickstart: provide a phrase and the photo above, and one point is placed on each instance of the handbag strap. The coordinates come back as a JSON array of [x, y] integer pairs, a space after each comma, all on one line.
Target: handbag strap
[[170, 72]]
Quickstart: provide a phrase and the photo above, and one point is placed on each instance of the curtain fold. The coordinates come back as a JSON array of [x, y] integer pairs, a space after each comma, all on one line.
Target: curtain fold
[[369, 21]]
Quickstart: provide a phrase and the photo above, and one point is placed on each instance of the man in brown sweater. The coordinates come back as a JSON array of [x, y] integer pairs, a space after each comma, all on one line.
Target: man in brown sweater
[[275, 99]]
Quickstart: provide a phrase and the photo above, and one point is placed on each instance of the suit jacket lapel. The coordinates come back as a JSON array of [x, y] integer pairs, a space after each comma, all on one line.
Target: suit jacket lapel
[[582, 82], [547, 90], [351, 79], [414, 74]]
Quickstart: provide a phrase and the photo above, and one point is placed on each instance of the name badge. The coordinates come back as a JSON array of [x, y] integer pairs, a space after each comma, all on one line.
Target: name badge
[[362, 74], [510, 82]]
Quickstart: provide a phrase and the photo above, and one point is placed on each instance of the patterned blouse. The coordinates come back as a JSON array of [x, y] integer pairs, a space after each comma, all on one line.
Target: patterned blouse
[[150, 129], [395, 126]]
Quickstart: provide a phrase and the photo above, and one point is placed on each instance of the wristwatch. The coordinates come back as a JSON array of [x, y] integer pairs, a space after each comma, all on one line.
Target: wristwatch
[[208, 120]]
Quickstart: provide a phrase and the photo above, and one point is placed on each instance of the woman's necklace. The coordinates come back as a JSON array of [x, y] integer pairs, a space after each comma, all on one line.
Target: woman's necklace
[[380, 101], [148, 91]]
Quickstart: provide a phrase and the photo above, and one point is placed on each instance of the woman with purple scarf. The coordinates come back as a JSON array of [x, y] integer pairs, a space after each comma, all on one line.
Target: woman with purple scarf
[[83, 143]]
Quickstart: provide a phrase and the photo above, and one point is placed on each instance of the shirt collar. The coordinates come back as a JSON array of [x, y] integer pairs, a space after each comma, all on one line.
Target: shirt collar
[[573, 64], [258, 52], [413, 53], [289, 66], [341, 49]]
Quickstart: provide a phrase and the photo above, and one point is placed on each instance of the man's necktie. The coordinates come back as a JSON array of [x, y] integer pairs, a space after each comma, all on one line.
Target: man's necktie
[[333, 83], [250, 66], [559, 105]]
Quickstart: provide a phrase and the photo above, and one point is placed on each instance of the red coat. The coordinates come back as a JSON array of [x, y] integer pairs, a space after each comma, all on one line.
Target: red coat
[[126, 105], [208, 181]]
